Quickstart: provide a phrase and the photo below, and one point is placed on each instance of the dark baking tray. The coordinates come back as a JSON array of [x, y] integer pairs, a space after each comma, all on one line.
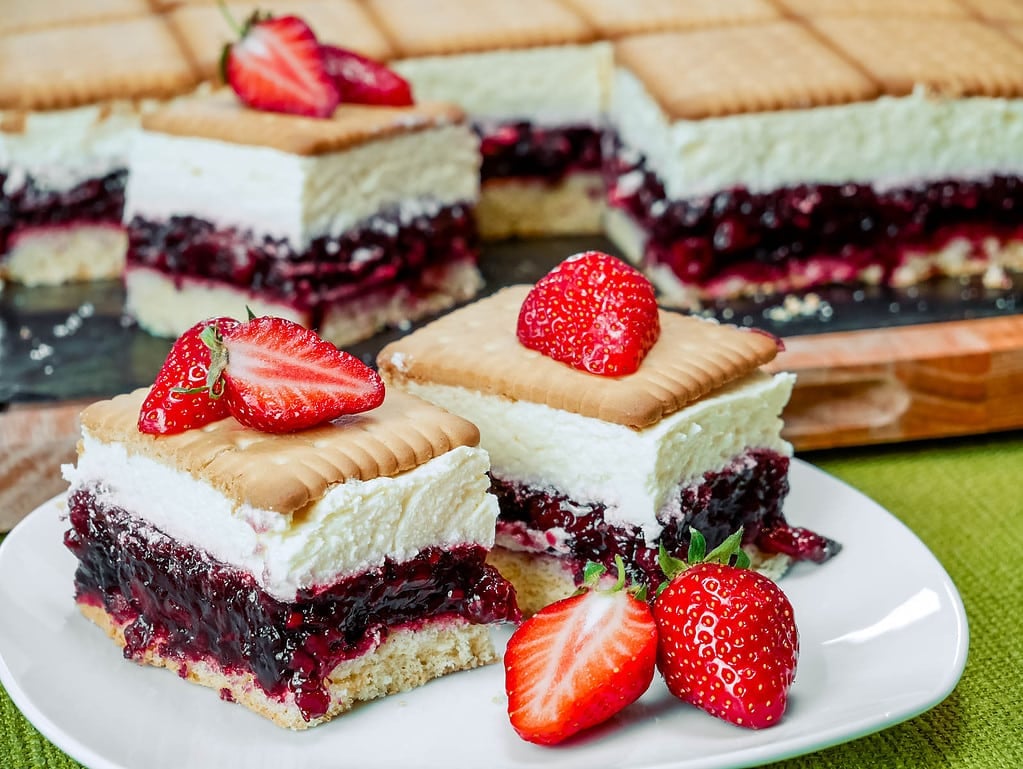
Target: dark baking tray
[[74, 342]]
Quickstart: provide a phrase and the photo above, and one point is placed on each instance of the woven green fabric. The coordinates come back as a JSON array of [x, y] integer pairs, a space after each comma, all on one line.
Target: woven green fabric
[[964, 499]]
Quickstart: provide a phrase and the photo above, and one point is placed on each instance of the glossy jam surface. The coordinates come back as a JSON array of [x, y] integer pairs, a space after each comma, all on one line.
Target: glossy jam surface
[[830, 232], [524, 150], [749, 492], [98, 200], [178, 600], [389, 249]]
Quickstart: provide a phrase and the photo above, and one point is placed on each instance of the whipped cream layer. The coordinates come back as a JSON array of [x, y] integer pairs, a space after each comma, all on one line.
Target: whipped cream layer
[[300, 197], [353, 527], [60, 149], [550, 85], [888, 142], [635, 473]]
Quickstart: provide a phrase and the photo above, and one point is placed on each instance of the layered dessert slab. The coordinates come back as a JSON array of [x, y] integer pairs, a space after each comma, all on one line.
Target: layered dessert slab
[[534, 81], [858, 150], [347, 224], [296, 574], [588, 467], [66, 120], [204, 29]]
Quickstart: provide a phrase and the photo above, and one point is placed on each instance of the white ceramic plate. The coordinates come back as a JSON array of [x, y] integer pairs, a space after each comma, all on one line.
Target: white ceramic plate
[[883, 635]]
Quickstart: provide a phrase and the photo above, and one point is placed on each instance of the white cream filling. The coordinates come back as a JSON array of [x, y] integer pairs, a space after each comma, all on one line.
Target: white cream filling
[[443, 502], [549, 85], [889, 142], [62, 148], [635, 473], [296, 197]]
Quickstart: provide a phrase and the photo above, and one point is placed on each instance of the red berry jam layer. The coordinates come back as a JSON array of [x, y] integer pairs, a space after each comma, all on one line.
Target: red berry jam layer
[[749, 492], [831, 232], [525, 151], [388, 249], [95, 201], [181, 602]]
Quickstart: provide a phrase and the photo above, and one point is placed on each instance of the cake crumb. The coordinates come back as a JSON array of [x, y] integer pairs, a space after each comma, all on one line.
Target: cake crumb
[[794, 306], [996, 277]]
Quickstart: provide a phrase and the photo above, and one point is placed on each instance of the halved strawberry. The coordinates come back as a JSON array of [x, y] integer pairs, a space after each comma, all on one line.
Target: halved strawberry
[[362, 80], [727, 636], [579, 661], [280, 376], [593, 312], [181, 397], [277, 65]]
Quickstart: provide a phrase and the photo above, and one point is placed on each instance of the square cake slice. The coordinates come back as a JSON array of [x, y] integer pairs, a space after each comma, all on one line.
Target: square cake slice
[[588, 467], [296, 574], [534, 81], [347, 224], [70, 99]]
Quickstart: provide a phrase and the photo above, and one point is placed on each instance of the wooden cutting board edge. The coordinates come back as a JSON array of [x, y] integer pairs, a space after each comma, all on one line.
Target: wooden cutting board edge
[[853, 388]]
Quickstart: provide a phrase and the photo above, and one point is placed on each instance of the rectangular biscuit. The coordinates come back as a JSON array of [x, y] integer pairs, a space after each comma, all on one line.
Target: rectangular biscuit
[[284, 473], [950, 57], [443, 27], [735, 70], [23, 15], [204, 31], [618, 18], [878, 8], [220, 116], [996, 10], [476, 347], [63, 67]]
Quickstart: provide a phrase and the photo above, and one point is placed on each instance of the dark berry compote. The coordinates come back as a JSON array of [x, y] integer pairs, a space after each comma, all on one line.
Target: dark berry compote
[[28, 204], [809, 235], [175, 600], [748, 492], [524, 150], [390, 250]]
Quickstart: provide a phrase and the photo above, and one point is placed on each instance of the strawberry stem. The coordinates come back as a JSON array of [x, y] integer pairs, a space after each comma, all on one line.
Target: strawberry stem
[[235, 27]]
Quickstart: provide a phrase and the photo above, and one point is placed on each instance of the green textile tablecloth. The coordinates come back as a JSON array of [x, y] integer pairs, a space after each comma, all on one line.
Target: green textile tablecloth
[[964, 499]]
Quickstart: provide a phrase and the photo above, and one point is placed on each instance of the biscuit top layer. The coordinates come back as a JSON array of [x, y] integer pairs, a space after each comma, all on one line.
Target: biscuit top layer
[[285, 473], [445, 27], [476, 348], [222, 117]]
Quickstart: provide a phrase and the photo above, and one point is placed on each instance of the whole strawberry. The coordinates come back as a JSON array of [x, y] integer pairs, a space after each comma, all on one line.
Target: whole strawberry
[[361, 80], [181, 397], [579, 661], [593, 312], [277, 65], [280, 377], [727, 637]]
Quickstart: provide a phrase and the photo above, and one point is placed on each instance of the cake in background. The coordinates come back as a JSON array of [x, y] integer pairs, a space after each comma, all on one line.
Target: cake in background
[[619, 18], [66, 120], [589, 466], [799, 154], [347, 224], [534, 82]]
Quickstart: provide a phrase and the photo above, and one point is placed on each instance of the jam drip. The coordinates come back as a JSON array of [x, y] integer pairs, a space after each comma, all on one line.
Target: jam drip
[[846, 227], [748, 493], [180, 602], [523, 150], [99, 200], [386, 250]]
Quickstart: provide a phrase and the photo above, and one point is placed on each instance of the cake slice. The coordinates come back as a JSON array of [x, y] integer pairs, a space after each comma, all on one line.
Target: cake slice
[[348, 224], [534, 82], [587, 467], [66, 118], [296, 574], [843, 151]]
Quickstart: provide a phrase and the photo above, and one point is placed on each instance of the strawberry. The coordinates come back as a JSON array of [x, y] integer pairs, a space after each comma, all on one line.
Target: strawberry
[[181, 397], [593, 312], [727, 637], [280, 377], [277, 65], [579, 661], [361, 80]]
